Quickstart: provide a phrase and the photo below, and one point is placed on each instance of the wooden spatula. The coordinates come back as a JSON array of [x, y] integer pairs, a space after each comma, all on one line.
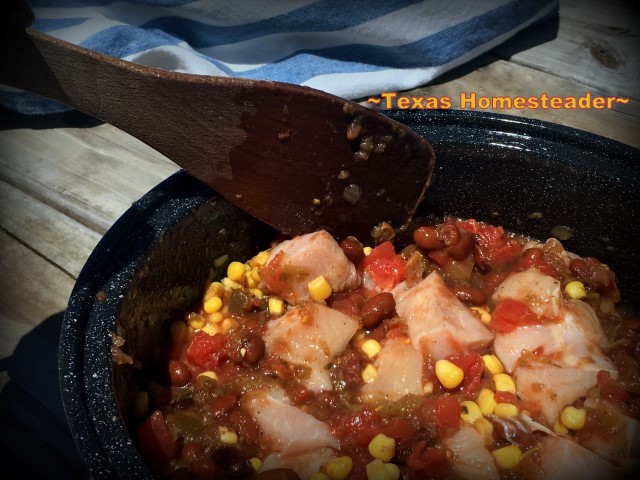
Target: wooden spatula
[[296, 158]]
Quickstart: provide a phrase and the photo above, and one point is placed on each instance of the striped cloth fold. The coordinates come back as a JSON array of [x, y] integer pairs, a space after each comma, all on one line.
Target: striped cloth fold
[[350, 49]]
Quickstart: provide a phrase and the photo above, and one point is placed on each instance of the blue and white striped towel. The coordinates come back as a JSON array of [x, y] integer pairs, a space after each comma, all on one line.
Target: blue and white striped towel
[[351, 49]]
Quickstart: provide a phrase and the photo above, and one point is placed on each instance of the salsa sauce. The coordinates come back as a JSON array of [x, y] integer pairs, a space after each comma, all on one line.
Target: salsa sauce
[[200, 420]]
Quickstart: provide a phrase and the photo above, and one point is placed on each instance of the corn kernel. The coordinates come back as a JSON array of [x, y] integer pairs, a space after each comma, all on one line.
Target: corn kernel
[[319, 288], [227, 325], [573, 418], [367, 251], [470, 411], [209, 374], [255, 274], [382, 447], [485, 428], [257, 292], [211, 329], [558, 427], [371, 348], [256, 464], [196, 321], [483, 314], [178, 331], [235, 271], [276, 306], [216, 317], [213, 305], [378, 470], [504, 383], [575, 290], [449, 374], [339, 468], [507, 457], [260, 259], [486, 402], [216, 289], [249, 281], [493, 364], [369, 373], [230, 284], [319, 476], [141, 404], [505, 410], [228, 436]]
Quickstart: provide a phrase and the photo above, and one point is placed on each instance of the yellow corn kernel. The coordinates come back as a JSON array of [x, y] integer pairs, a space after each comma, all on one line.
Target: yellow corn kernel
[[213, 305], [211, 329], [209, 374], [141, 405], [249, 281], [319, 476], [235, 271], [227, 325], [483, 314], [196, 321], [575, 290], [257, 292], [507, 457], [276, 306], [378, 470], [256, 464], [255, 274], [470, 411], [493, 364], [367, 251], [449, 374], [228, 436], [216, 289], [260, 259], [573, 418], [382, 447], [216, 317], [504, 383], [558, 427], [486, 402], [319, 289], [369, 373], [371, 348], [339, 468], [178, 331], [485, 428], [505, 410], [230, 284]]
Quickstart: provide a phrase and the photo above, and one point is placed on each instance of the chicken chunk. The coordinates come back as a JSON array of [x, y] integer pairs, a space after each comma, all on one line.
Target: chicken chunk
[[294, 263], [438, 323], [563, 458], [471, 459], [310, 336], [540, 292]]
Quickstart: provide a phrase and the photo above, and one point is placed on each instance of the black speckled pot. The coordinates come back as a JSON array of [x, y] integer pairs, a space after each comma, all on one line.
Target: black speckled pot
[[156, 260]]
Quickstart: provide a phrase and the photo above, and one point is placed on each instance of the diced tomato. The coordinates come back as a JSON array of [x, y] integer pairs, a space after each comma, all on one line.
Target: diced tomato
[[399, 429], [207, 351], [609, 389], [492, 247], [447, 411], [271, 273], [384, 266], [428, 463], [353, 425], [504, 397], [510, 314], [534, 258], [157, 443], [472, 366]]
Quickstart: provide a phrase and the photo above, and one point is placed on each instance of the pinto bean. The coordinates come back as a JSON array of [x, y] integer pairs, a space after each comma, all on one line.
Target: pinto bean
[[592, 273], [469, 294], [206, 469], [427, 238], [233, 462], [278, 474], [377, 309], [449, 234], [352, 248], [254, 348], [179, 373], [461, 249]]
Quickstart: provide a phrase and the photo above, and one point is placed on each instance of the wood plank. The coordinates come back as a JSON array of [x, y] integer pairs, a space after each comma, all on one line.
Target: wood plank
[[53, 235], [505, 79], [92, 175], [597, 45]]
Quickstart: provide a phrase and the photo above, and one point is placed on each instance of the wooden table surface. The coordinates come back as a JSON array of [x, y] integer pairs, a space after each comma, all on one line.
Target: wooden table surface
[[65, 179]]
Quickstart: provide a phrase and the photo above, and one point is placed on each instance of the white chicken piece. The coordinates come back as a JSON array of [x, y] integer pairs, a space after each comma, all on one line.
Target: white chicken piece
[[553, 387], [540, 292], [310, 335], [295, 439], [563, 458], [298, 261], [399, 368], [438, 323], [575, 340], [471, 459]]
